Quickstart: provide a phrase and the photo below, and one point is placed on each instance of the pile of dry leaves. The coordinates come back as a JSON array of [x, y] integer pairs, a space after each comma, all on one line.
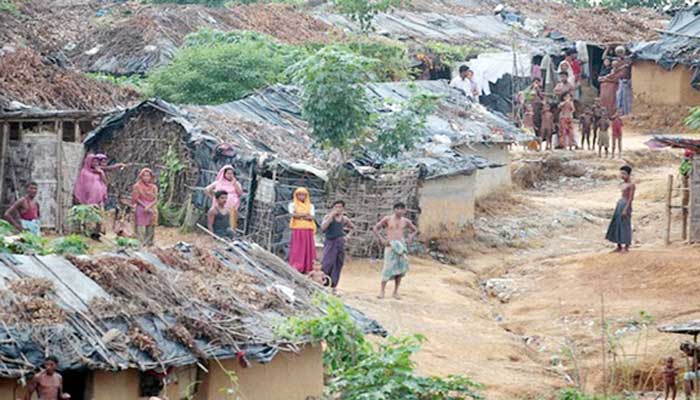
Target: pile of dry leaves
[[28, 78]]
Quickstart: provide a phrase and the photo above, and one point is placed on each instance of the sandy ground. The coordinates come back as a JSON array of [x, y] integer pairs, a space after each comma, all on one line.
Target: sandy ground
[[547, 334]]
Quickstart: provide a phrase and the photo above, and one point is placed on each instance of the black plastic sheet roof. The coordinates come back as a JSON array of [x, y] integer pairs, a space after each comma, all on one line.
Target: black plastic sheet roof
[[679, 44]]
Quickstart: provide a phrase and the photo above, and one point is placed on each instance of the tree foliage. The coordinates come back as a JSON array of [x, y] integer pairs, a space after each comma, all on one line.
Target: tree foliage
[[334, 101], [215, 67], [363, 11], [398, 131], [391, 57], [362, 371]]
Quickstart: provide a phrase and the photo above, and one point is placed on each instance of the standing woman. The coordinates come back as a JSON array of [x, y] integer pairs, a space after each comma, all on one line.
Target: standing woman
[[226, 181], [91, 188], [145, 199], [620, 229], [302, 248]]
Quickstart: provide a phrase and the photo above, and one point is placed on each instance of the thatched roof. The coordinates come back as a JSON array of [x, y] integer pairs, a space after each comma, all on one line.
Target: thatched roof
[[148, 310]]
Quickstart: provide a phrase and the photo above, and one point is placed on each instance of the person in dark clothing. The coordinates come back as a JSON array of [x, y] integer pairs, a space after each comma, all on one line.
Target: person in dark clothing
[[219, 219], [620, 229], [335, 226]]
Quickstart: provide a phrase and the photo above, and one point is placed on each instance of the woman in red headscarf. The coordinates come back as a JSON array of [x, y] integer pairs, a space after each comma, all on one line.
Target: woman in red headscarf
[[145, 198]]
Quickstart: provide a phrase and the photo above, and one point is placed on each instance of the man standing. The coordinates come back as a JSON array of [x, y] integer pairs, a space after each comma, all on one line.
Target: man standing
[[48, 384], [395, 246], [335, 226], [24, 213]]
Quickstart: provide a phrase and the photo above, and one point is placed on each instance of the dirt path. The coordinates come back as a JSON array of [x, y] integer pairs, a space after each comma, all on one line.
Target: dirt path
[[546, 331]]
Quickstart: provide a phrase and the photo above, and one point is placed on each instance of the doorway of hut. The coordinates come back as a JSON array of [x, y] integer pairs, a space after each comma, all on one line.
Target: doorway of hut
[[595, 61], [75, 383]]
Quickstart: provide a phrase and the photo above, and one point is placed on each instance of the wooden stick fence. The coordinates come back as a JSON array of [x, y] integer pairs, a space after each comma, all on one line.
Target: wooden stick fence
[[684, 190]]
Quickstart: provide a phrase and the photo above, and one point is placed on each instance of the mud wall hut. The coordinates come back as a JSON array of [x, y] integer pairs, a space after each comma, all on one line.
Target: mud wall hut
[[135, 325], [666, 71], [268, 159]]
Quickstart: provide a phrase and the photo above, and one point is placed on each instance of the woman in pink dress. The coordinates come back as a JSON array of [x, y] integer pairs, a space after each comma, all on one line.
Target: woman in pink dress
[[302, 246], [145, 199]]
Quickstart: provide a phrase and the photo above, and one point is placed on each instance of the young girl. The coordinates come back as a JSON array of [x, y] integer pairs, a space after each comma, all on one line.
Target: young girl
[[145, 200], [566, 122], [529, 125], [603, 135]]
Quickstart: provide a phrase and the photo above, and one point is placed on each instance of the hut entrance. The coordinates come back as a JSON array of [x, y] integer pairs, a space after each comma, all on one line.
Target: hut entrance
[[75, 383]]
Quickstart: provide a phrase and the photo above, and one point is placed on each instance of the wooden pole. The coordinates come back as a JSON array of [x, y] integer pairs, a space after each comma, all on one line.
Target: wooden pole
[[669, 194], [76, 131], [685, 197], [602, 345], [59, 177], [3, 155]]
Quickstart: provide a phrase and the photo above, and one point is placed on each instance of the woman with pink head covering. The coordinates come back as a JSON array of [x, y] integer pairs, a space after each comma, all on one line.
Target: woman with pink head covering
[[90, 187], [145, 199], [226, 181]]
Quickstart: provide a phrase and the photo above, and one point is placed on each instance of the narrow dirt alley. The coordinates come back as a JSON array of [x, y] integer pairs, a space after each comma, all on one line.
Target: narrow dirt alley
[[522, 312]]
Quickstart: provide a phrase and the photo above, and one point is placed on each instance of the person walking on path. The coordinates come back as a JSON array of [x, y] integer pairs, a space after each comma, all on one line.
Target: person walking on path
[[620, 229], [302, 246], [395, 247], [24, 214], [335, 226], [145, 199], [226, 181]]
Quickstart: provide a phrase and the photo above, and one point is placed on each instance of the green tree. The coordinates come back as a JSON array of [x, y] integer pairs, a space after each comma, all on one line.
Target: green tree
[[334, 102], [692, 121], [399, 131], [363, 11], [215, 67]]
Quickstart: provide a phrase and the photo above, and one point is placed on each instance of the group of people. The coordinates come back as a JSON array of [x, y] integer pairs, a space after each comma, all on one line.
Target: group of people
[[394, 232], [553, 115]]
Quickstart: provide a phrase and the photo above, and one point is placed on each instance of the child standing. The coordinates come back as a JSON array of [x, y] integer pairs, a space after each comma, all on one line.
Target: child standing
[[123, 217], [566, 122], [670, 373], [586, 122], [603, 136], [617, 134], [529, 125], [547, 124]]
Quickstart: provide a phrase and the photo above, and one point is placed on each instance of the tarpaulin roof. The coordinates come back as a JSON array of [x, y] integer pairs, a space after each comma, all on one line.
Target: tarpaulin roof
[[269, 124], [679, 43], [150, 310], [687, 328]]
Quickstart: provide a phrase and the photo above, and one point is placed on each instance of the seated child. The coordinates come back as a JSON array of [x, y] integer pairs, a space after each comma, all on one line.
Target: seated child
[[319, 276]]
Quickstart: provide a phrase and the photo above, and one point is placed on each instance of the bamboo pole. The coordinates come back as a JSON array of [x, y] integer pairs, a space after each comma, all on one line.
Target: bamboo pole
[[685, 197], [602, 345], [59, 177], [3, 154], [669, 194]]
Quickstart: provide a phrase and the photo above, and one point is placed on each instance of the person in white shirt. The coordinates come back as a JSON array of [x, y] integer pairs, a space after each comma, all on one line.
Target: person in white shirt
[[465, 82]]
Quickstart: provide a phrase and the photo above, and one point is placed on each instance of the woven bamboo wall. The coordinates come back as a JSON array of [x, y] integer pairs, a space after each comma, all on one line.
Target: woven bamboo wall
[[369, 199]]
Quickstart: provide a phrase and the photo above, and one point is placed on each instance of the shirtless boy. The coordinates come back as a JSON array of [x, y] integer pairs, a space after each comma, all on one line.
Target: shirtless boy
[[48, 384], [547, 124], [395, 246], [689, 378], [670, 372]]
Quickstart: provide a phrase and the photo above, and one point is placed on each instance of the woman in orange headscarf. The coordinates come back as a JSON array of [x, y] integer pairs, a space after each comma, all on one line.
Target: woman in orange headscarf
[[145, 199], [302, 248]]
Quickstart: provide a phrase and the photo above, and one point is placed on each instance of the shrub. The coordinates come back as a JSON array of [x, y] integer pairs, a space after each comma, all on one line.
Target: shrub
[[83, 218], [358, 370], [24, 243], [363, 11], [125, 242], [450, 54], [71, 244], [215, 67]]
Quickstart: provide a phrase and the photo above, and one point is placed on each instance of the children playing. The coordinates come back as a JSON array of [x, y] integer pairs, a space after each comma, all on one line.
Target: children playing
[[616, 133]]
